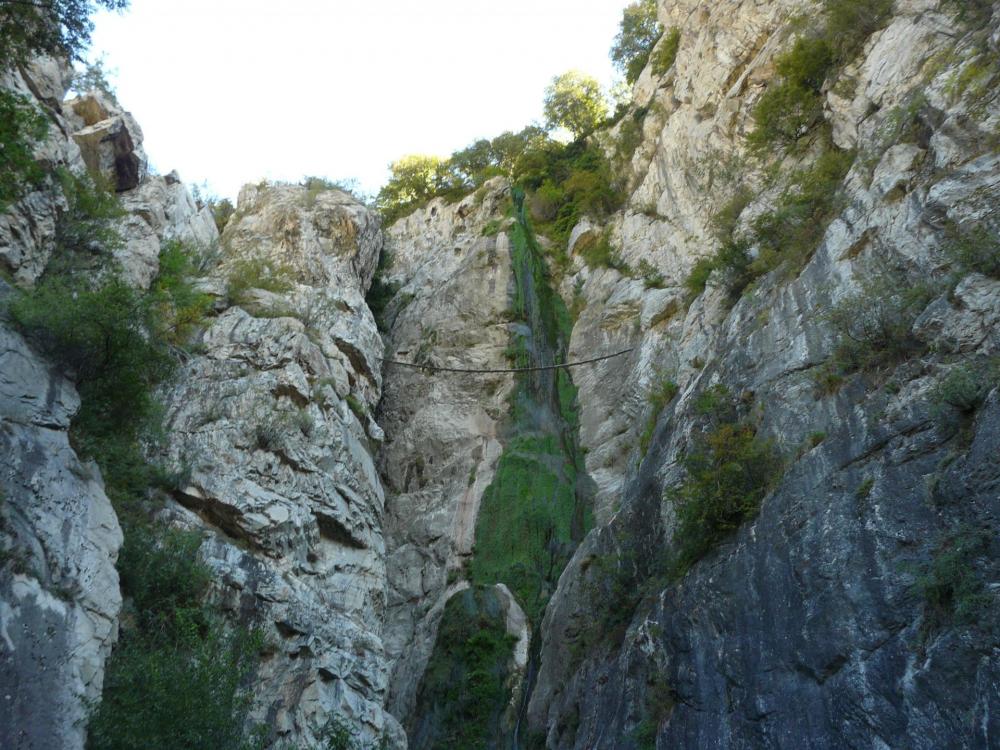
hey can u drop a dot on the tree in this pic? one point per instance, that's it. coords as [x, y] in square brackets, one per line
[415, 179]
[574, 101]
[59, 28]
[638, 33]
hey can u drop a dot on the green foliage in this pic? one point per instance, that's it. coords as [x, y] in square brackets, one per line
[105, 337]
[849, 23]
[950, 585]
[574, 101]
[729, 471]
[179, 308]
[87, 226]
[463, 694]
[697, 279]
[597, 251]
[57, 28]
[93, 76]
[357, 407]
[566, 183]
[638, 32]
[222, 210]
[492, 228]
[963, 389]
[974, 249]
[246, 274]
[790, 233]
[531, 517]
[791, 106]
[665, 55]
[21, 127]
[874, 326]
[413, 181]
[176, 677]
[658, 398]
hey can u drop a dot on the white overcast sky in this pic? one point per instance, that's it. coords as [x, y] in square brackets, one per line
[232, 91]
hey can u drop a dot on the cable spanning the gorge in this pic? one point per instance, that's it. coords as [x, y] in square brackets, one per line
[564, 365]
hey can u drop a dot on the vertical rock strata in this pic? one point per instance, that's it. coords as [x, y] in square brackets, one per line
[271, 423]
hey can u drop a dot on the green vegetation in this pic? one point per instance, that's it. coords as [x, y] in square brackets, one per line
[575, 101]
[792, 105]
[247, 274]
[660, 701]
[950, 585]
[697, 279]
[790, 233]
[176, 678]
[729, 471]
[463, 693]
[87, 227]
[638, 33]
[659, 397]
[357, 407]
[974, 249]
[664, 57]
[21, 127]
[381, 292]
[597, 251]
[58, 28]
[874, 325]
[957, 396]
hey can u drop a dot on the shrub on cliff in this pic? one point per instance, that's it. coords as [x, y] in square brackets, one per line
[21, 126]
[792, 105]
[729, 471]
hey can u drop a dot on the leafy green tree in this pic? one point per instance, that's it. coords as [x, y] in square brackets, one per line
[638, 33]
[574, 101]
[413, 181]
[59, 28]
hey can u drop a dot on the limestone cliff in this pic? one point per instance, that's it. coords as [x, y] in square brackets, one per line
[440, 557]
[806, 627]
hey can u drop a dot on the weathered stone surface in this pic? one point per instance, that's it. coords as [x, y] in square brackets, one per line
[59, 537]
[442, 440]
[272, 422]
[804, 629]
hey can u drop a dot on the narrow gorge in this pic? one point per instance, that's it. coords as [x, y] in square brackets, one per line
[682, 432]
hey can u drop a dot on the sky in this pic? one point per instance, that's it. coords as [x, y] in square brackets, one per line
[234, 91]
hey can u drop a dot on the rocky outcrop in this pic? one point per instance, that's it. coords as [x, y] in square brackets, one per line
[451, 308]
[271, 424]
[59, 538]
[59, 593]
[806, 628]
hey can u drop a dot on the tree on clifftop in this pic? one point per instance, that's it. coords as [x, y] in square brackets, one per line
[638, 33]
[574, 101]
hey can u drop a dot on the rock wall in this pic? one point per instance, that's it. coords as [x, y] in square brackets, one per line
[271, 424]
[59, 536]
[442, 431]
[805, 628]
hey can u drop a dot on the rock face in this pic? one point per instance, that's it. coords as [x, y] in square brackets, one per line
[806, 628]
[338, 495]
[442, 442]
[272, 424]
[59, 536]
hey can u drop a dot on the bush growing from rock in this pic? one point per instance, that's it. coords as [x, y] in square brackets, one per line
[729, 471]
[638, 32]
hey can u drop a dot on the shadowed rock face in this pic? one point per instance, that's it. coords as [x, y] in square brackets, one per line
[59, 598]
